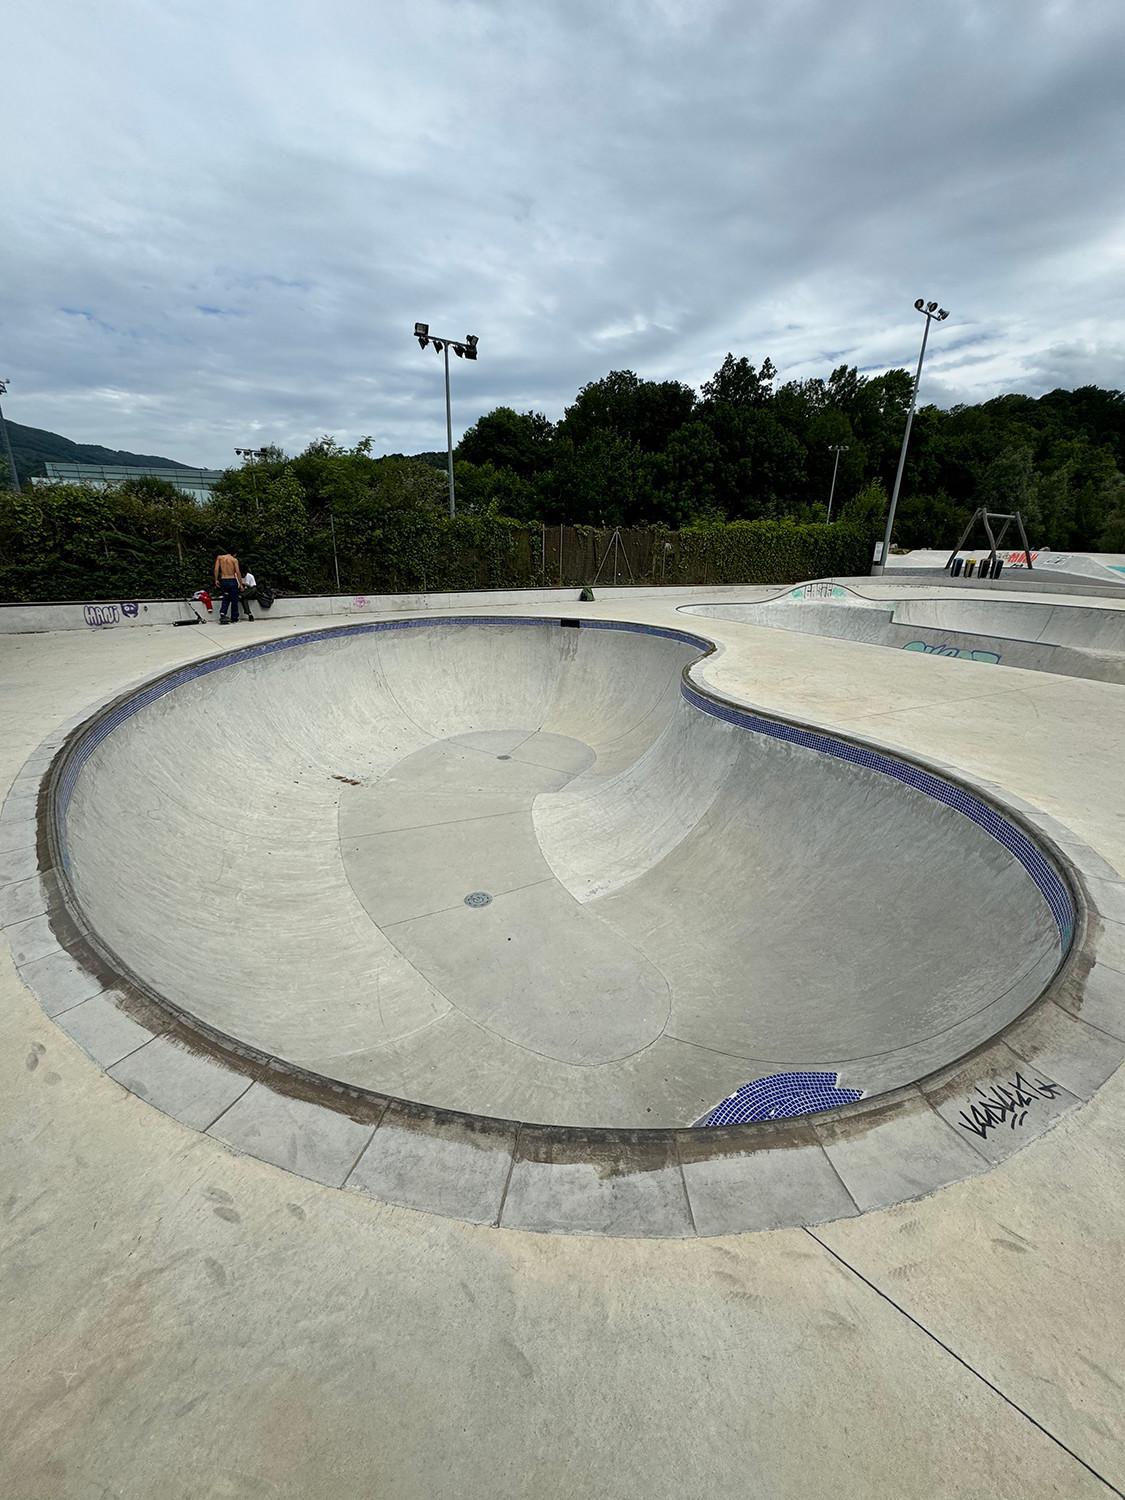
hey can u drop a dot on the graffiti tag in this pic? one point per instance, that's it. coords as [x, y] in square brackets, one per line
[360, 601]
[101, 614]
[947, 650]
[1005, 1104]
[817, 591]
[130, 611]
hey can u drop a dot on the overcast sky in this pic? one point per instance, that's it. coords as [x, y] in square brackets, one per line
[221, 221]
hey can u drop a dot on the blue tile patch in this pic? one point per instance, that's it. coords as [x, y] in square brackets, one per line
[780, 1096]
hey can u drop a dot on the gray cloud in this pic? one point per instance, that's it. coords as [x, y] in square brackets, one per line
[227, 220]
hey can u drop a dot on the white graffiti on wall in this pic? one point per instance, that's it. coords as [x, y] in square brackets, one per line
[97, 616]
[101, 614]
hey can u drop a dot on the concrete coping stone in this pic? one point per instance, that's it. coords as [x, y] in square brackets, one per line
[670, 1183]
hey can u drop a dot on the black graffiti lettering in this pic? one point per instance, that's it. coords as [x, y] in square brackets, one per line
[1005, 1103]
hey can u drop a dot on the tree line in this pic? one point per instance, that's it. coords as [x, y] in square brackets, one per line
[750, 447]
[730, 484]
[746, 447]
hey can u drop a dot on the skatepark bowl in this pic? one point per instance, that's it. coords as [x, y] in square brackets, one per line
[1038, 635]
[531, 877]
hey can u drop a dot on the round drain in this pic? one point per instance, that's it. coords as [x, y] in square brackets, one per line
[477, 898]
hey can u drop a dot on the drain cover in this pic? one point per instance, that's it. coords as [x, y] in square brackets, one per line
[477, 898]
[503, 757]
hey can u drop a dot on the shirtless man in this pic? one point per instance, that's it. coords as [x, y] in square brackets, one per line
[228, 579]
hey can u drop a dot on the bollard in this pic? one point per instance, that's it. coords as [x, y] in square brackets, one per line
[970, 566]
[997, 567]
[958, 564]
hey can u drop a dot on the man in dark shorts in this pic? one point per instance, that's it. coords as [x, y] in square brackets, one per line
[228, 580]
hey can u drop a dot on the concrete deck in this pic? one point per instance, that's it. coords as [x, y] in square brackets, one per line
[181, 1320]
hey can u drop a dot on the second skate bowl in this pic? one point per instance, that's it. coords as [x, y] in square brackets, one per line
[1067, 639]
[534, 869]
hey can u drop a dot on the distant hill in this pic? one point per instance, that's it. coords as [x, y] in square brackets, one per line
[31, 447]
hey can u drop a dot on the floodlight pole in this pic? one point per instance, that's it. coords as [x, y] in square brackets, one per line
[464, 349]
[15, 478]
[449, 434]
[931, 312]
[248, 455]
[837, 449]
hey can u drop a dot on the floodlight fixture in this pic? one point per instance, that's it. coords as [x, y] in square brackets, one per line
[932, 313]
[463, 350]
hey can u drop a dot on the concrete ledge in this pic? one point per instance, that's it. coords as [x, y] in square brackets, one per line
[293, 1133]
[131, 614]
[584, 1183]
[737, 1183]
[456, 1167]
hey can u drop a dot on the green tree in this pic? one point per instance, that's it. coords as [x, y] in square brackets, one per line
[737, 383]
[600, 482]
[643, 412]
[507, 439]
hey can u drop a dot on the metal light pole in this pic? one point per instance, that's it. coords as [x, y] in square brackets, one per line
[837, 449]
[449, 434]
[15, 478]
[248, 455]
[465, 350]
[932, 313]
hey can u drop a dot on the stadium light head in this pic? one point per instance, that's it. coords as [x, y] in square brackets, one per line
[920, 304]
[438, 344]
[931, 307]
[422, 334]
[471, 346]
[458, 349]
[942, 314]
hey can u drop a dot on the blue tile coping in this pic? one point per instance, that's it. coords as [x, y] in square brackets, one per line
[791, 1149]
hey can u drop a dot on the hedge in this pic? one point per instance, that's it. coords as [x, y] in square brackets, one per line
[79, 542]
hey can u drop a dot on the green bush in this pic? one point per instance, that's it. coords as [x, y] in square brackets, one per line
[771, 552]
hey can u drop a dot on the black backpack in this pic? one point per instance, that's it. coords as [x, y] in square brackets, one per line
[265, 596]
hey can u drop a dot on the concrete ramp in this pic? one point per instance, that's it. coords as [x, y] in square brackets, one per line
[526, 869]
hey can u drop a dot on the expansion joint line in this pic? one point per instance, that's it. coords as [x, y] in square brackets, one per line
[964, 1363]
